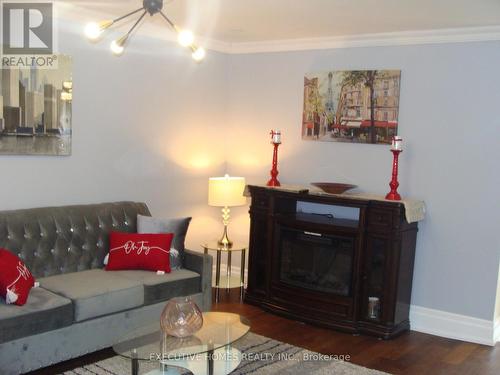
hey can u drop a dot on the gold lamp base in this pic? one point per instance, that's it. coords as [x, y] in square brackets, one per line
[224, 240]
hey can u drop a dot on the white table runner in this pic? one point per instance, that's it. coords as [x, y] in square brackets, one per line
[414, 209]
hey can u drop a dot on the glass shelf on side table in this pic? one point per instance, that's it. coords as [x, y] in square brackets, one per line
[228, 280]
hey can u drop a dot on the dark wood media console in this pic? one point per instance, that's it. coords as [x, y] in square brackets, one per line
[353, 275]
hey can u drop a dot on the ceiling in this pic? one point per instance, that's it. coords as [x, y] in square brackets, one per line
[254, 21]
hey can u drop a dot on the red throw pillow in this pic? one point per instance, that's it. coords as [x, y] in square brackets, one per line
[134, 251]
[16, 280]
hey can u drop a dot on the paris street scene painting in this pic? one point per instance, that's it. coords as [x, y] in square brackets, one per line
[35, 109]
[357, 106]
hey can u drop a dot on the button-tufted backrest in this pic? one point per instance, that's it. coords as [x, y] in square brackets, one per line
[56, 240]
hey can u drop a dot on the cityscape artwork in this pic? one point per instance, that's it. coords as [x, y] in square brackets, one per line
[357, 106]
[35, 109]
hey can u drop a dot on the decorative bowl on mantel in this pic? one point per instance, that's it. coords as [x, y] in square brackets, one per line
[333, 187]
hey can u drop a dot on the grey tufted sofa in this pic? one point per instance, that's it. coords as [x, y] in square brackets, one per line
[79, 307]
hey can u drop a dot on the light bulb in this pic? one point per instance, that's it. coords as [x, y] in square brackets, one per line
[185, 38]
[198, 54]
[93, 30]
[117, 46]
[116, 49]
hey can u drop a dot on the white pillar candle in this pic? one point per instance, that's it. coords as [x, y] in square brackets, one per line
[276, 136]
[397, 143]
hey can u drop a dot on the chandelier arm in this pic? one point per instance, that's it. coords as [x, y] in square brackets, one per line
[172, 25]
[136, 23]
[127, 15]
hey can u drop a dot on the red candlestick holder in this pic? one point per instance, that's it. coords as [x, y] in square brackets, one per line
[393, 195]
[276, 141]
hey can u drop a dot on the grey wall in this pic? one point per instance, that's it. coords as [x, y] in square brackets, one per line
[449, 123]
[146, 127]
[153, 126]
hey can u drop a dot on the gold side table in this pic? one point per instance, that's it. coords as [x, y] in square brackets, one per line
[214, 246]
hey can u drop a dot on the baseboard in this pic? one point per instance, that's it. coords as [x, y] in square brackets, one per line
[453, 326]
[496, 336]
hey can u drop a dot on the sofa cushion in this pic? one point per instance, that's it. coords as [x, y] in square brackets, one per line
[16, 280]
[44, 311]
[177, 226]
[159, 288]
[135, 251]
[96, 292]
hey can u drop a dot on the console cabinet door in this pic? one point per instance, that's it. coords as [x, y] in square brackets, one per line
[374, 304]
[258, 255]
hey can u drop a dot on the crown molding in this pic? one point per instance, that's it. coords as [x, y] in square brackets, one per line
[437, 36]
[457, 35]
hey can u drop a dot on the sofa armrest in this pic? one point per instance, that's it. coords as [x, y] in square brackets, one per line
[201, 264]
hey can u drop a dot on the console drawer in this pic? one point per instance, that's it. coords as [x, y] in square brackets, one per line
[380, 219]
[311, 303]
[260, 201]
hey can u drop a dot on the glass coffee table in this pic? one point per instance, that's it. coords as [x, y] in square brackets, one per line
[207, 352]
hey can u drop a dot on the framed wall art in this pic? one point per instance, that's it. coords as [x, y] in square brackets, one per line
[35, 109]
[357, 106]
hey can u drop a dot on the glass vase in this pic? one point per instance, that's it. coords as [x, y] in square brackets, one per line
[181, 317]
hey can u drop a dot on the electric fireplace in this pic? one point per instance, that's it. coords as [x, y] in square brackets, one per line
[316, 261]
[328, 267]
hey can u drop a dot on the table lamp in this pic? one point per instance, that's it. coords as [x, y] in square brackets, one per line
[226, 192]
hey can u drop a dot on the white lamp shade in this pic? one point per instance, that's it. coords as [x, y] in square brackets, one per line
[226, 191]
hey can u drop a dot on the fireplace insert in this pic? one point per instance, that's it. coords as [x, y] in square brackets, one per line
[316, 261]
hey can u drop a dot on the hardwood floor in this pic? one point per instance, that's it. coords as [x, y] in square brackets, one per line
[411, 353]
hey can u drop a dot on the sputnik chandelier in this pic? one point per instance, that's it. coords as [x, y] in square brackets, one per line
[94, 30]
